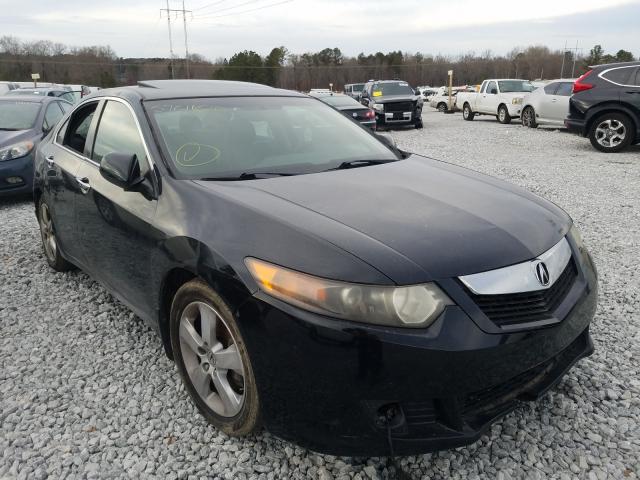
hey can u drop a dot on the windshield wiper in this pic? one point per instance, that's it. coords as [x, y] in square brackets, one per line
[11, 129]
[359, 163]
[250, 176]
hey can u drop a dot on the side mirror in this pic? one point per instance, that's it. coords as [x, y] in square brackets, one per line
[494, 91]
[121, 169]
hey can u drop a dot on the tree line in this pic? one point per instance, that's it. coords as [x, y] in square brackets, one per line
[100, 65]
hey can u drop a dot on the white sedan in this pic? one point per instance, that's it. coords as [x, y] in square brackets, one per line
[548, 105]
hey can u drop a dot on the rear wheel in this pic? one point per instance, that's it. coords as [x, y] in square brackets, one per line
[49, 240]
[467, 113]
[528, 118]
[442, 107]
[611, 132]
[212, 359]
[503, 115]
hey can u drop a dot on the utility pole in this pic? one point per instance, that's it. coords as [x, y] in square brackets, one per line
[186, 44]
[168, 10]
[575, 54]
[564, 54]
[184, 12]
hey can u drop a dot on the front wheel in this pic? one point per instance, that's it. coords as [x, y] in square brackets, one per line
[528, 118]
[467, 113]
[611, 132]
[212, 359]
[442, 107]
[503, 115]
[49, 240]
[418, 124]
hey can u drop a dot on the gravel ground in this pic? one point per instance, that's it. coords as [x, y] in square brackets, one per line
[86, 390]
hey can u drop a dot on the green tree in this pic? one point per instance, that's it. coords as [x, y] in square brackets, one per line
[624, 56]
[244, 66]
[274, 61]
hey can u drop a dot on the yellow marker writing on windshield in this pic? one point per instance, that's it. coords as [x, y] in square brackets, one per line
[377, 93]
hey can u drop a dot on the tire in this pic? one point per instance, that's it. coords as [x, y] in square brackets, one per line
[611, 132]
[442, 107]
[49, 241]
[503, 115]
[199, 357]
[528, 118]
[418, 124]
[467, 113]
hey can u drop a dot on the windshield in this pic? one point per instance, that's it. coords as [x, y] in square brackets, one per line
[340, 101]
[515, 86]
[225, 137]
[18, 115]
[385, 89]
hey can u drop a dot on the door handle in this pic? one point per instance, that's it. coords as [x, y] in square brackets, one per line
[50, 162]
[554, 99]
[83, 183]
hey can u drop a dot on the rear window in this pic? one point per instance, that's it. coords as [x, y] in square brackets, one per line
[565, 89]
[619, 76]
[340, 101]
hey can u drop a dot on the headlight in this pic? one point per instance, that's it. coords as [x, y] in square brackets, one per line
[16, 151]
[415, 306]
[378, 107]
[516, 101]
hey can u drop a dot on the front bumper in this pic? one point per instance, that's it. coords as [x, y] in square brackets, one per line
[21, 168]
[398, 118]
[325, 383]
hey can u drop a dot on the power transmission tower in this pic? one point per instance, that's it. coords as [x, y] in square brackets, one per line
[184, 12]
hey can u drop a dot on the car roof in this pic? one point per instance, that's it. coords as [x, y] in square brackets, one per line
[28, 98]
[615, 65]
[165, 89]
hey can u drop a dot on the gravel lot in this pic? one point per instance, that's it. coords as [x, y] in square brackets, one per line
[86, 390]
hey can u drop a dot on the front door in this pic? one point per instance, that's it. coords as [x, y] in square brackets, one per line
[63, 157]
[489, 99]
[115, 227]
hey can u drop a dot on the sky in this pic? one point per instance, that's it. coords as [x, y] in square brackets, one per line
[219, 28]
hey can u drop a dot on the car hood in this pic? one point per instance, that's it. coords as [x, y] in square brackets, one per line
[395, 98]
[9, 137]
[434, 218]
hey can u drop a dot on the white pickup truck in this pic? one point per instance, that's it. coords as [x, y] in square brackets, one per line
[499, 97]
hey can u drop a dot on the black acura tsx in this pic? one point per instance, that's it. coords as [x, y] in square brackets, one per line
[308, 276]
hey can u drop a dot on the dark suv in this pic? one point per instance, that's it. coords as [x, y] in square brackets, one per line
[394, 102]
[605, 106]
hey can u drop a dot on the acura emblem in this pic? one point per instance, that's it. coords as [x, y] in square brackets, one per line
[355, 115]
[542, 273]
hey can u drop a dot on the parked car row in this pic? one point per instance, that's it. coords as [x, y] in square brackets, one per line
[71, 93]
[603, 104]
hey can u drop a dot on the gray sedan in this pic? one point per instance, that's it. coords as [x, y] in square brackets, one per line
[548, 105]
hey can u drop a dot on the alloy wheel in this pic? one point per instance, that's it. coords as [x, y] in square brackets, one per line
[48, 235]
[212, 359]
[610, 133]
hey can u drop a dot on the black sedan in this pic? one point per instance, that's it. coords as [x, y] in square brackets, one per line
[306, 276]
[350, 107]
[24, 120]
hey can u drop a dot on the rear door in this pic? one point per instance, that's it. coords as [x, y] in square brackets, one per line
[115, 227]
[559, 105]
[63, 157]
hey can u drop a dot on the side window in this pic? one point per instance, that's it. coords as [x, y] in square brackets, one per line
[551, 88]
[52, 116]
[69, 97]
[65, 106]
[619, 75]
[61, 132]
[491, 86]
[78, 128]
[636, 82]
[117, 132]
[565, 89]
